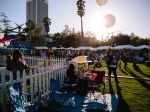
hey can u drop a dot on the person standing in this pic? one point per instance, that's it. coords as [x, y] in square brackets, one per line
[112, 65]
[125, 60]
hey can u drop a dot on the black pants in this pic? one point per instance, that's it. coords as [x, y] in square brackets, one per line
[125, 65]
[111, 69]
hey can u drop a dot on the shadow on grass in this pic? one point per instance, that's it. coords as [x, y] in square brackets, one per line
[123, 71]
[141, 81]
[122, 104]
[141, 72]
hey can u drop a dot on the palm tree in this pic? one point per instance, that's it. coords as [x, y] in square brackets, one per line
[80, 11]
[47, 22]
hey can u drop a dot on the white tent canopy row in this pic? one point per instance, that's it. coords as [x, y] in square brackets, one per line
[132, 47]
[85, 48]
[141, 47]
[90, 48]
[103, 47]
[123, 47]
[41, 47]
[78, 48]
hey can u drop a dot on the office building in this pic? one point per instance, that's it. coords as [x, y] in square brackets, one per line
[37, 10]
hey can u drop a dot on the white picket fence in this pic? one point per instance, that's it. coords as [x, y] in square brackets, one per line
[39, 78]
[35, 61]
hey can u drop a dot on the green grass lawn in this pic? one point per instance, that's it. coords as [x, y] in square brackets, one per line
[134, 94]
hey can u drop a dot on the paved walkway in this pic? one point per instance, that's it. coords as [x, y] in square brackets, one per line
[84, 104]
[128, 77]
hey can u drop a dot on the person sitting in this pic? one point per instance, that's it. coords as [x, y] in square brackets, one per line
[8, 65]
[18, 63]
[73, 77]
[71, 74]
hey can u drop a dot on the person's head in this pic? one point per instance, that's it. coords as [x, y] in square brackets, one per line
[9, 57]
[71, 67]
[113, 52]
[17, 54]
[134, 59]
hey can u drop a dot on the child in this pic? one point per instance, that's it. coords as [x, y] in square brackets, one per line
[9, 59]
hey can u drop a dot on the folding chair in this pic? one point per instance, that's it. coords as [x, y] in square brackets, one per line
[17, 103]
[96, 84]
[60, 97]
[69, 84]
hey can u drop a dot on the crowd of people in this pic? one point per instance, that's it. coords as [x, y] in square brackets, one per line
[113, 59]
[95, 56]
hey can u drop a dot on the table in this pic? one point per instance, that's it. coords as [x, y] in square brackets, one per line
[147, 63]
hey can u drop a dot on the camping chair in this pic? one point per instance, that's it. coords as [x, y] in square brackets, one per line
[96, 84]
[17, 103]
[69, 84]
[58, 97]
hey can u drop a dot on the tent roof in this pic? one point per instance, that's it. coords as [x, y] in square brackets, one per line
[141, 47]
[123, 47]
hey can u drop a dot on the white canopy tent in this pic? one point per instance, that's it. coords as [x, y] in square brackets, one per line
[103, 47]
[54, 48]
[70, 48]
[41, 47]
[123, 47]
[84, 48]
[62, 48]
[141, 47]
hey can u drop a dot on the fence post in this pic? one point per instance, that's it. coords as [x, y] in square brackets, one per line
[24, 82]
[47, 79]
[43, 80]
[4, 99]
[31, 85]
[40, 85]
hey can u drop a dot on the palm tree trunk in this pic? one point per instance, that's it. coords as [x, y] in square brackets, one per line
[82, 32]
[47, 28]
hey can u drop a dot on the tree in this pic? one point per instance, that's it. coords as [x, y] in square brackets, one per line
[47, 22]
[135, 41]
[38, 39]
[56, 39]
[118, 39]
[30, 29]
[34, 34]
[5, 20]
[80, 11]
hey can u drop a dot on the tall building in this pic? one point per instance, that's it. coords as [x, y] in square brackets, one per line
[36, 10]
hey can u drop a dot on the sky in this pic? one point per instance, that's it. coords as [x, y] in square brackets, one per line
[130, 15]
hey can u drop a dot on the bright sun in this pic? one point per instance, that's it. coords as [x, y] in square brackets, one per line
[97, 25]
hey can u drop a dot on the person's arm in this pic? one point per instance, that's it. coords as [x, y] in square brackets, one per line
[26, 66]
[77, 73]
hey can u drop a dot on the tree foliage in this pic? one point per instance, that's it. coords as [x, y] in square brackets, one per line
[34, 34]
[47, 22]
[81, 11]
[80, 5]
[5, 20]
